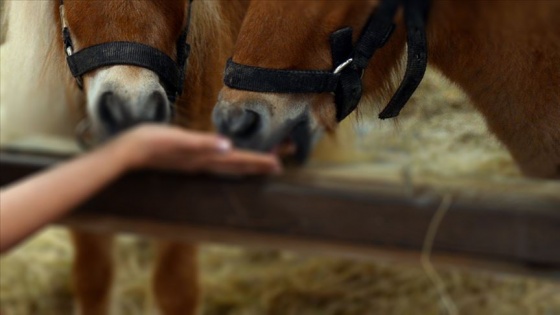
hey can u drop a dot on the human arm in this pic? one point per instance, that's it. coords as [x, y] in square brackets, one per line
[33, 202]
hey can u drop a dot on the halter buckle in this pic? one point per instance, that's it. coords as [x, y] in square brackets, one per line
[343, 65]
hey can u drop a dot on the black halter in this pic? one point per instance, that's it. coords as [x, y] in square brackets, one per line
[170, 72]
[349, 61]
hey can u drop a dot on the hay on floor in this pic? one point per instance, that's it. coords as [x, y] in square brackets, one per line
[35, 280]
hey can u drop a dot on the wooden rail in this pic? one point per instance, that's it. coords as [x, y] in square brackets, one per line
[340, 210]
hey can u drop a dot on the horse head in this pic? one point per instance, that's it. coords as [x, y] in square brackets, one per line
[122, 54]
[314, 40]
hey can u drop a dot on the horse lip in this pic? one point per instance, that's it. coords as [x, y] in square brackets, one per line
[301, 136]
[299, 132]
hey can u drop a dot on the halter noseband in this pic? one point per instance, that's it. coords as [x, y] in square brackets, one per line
[350, 62]
[170, 72]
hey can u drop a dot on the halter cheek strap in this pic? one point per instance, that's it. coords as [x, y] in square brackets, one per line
[170, 72]
[350, 62]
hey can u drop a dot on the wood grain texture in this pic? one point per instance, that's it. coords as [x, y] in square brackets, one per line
[515, 223]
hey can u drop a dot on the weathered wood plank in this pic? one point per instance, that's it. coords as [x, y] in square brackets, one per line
[306, 246]
[517, 225]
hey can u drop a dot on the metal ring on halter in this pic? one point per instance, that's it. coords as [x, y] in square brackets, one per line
[84, 136]
[343, 65]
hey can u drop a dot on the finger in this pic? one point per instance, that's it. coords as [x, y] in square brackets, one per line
[239, 169]
[242, 157]
[203, 142]
[213, 164]
[285, 150]
[246, 162]
[181, 138]
[233, 162]
[145, 145]
[178, 162]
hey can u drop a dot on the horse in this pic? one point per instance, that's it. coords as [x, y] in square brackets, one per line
[41, 96]
[504, 54]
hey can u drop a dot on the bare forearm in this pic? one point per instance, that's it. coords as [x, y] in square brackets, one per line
[28, 205]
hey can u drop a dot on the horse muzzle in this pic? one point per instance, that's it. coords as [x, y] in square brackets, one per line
[254, 124]
[122, 97]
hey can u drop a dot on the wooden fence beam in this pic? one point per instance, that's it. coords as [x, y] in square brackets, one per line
[519, 225]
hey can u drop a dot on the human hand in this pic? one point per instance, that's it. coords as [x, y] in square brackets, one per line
[171, 148]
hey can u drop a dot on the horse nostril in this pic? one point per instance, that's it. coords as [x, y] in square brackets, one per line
[244, 124]
[116, 112]
[112, 111]
[156, 107]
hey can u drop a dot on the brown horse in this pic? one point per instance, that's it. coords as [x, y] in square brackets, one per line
[504, 54]
[39, 95]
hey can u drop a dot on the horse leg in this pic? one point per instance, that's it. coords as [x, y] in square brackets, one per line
[92, 272]
[175, 278]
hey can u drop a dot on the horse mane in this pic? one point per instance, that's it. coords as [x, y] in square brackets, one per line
[207, 23]
[212, 35]
[212, 32]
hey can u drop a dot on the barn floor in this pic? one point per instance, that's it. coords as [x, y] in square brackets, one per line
[438, 135]
[35, 280]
